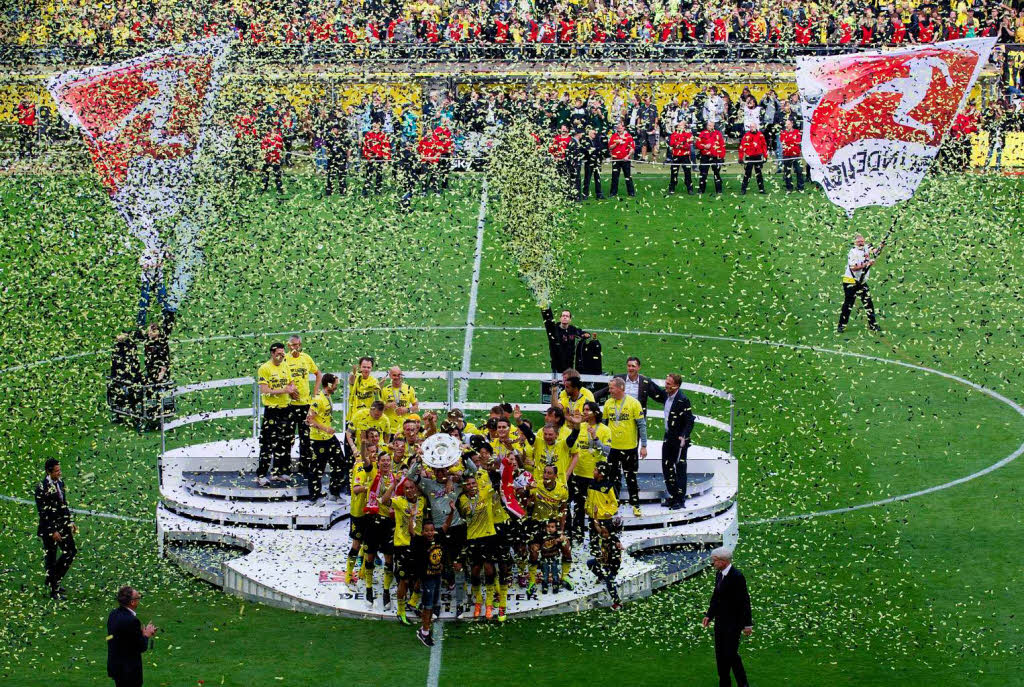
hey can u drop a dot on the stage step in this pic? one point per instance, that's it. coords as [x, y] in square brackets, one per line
[652, 486]
[304, 569]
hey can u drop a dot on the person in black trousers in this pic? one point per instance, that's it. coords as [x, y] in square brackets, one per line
[336, 146]
[408, 171]
[730, 610]
[56, 528]
[679, 421]
[562, 339]
[593, 156]
[858, 262]
[573, 165]
[126, 640]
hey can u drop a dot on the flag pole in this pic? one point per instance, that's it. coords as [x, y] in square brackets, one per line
[897, 213]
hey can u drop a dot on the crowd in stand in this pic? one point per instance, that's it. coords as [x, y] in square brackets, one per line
[418, 146]
[421, 146]
[510, 29]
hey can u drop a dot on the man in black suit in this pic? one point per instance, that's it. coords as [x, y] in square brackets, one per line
[126, 640]
[562, 339]
[637, 385]
[679, 421]
[56, 529]
[730, 609]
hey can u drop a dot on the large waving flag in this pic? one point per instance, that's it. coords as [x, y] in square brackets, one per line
[874, 121]
[144, 122]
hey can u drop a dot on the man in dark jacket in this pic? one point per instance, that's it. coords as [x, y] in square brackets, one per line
[126, 640]
[56, 528]
[337, 144]
[562, 339]
[638, 386]
[679, 421]
[573, 165]
[730, 610]
[593, 149]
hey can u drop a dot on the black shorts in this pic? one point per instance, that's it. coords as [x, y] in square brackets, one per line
[454, 541]
[504, 540]
[481, 550]
[521, 531]
[357, 527]
[404, 562]
[380, 534]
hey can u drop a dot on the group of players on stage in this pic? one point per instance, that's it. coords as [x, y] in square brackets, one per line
[504, 505]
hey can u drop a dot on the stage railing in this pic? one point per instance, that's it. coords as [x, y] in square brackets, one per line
[449, 377]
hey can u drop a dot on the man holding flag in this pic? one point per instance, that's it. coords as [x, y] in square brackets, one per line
[874, 123]
[144, 123]
[858, 262]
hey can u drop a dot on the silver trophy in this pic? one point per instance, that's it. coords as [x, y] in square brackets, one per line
[441, 451]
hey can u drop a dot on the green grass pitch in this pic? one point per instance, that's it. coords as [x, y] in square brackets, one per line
[918, 592]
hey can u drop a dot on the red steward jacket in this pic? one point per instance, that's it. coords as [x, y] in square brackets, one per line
[621, 146]
[753, 145]
[712, 143]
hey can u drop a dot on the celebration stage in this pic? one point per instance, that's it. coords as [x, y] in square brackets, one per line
[268, 544]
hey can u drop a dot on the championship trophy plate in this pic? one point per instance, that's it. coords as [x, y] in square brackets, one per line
[441, 451]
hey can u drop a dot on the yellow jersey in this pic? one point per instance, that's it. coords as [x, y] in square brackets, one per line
[477, 512]
[360, 477]
[362, 394]
[571, 407]
[601, 503]
[498, 510]
[621, 417]
[403, 397]
[276, 377]
[321, 408]
[500, 450]
[588, 451]
[403, 510]
[363, 421]
[558, 454]
[302, 366]
[383, 484]
[548, 503]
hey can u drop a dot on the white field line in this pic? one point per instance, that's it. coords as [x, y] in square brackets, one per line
[474, 290]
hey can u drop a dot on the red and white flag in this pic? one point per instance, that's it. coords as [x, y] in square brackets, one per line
[144, 123]
[508, 487]
[874, 121]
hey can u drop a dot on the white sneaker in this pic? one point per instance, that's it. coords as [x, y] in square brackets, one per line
[263, 481]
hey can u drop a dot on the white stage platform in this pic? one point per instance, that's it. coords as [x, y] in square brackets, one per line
[269, 544]
[293, 553]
